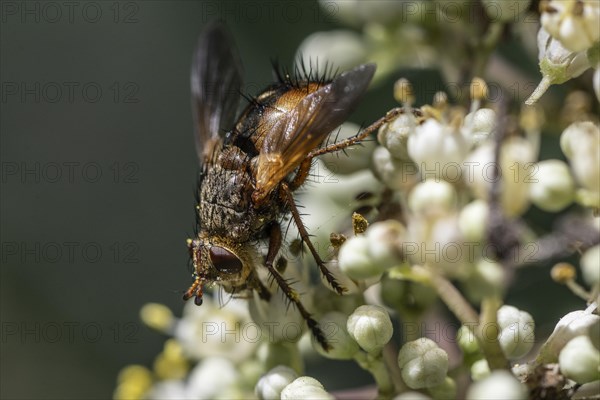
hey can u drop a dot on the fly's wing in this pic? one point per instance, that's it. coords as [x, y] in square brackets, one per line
[307, 125]
[216, 79]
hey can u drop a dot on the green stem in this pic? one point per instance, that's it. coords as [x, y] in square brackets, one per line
[484, 329]
[488, 331]
[487, 46]
[375, 365]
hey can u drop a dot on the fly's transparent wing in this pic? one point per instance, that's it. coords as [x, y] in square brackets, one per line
[216, 80]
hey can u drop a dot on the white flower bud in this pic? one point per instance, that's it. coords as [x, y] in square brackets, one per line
[393, 172]
[557, 64]
[579, 360]
[371, 327]
[355, 260]
[359, 156]
[505, 10]
[410, 395]
[343, 49]
[385, 243]
[580, 143]
[516, 332]
[394, 135]
[344, 347]
[208, 324]
[432, 198]
[269, 387]
[472, 221]
[553, 188]
[358, 12]
[487, 278]
[445, 391]
[437, 149]
[423, 364]
[500, 384]
[590, 265]
[573, 324]
[480, 370]
[211, 377]
[305, 388]
[467, 341]
[515, 171]
[479, 125]
[574, 23]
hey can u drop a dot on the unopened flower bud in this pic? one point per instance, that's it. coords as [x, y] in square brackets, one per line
[472, 221]
[269, 387]
[444, 391]
[305, 388]
[479, 125]
[371, 327]
[590, 265]
[500, 384]
[432, 198]
[573, 324]
[355, 260]
[579, 360]
[394, 135]
[423, 364]
[553, 188]
[480, 370]
[516, 332]
[580, 143]
[343, 48]
[385, 243]
[393, 172]
[437, 148]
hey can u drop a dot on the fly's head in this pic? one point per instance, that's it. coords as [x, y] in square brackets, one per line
[215, 261]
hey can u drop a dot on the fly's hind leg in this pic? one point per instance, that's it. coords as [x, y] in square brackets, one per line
[274, 246]
[287, 195]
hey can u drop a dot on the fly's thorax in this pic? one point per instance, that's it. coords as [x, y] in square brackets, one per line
[269, 107]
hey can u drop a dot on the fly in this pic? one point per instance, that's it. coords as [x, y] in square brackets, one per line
[251, 165]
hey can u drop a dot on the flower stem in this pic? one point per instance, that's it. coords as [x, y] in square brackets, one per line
[375, 365]
[458, 305]
[487, 46]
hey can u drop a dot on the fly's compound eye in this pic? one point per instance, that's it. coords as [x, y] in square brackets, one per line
[224, 260]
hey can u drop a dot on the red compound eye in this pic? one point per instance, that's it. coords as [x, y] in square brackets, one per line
[224, 260]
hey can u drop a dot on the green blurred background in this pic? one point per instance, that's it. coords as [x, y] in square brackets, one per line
[99, 170]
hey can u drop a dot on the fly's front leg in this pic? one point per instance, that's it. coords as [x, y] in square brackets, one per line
[274, 246]
[287, 195]
[389, 116]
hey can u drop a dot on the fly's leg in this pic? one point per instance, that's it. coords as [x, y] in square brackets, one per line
[255, 283]
[304, 167]
[289, 198]
[389, 116]
[291, 294]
